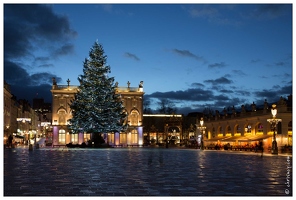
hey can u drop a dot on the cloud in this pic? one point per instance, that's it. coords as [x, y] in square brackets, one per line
[219, 81]
[187, 53]
[254, 61]
[225, 91]
[203, 11]
[197, 85]
[63, 50]
[107, 7]
[239, 72]
[112, 9]
[217, 65]
[273, 95]
[270, 11]
[25, 86]
[30, 27]
[132, 56]
[19, 76]
[216, 14]
[191, 94]
[196, 100]
[33, 36]
[46, 65]
[237, 15]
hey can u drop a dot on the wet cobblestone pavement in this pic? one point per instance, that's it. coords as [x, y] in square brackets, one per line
[144, 172]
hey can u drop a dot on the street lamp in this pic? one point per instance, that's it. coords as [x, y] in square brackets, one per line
[167, 140]
[202, 128]
[274, 121]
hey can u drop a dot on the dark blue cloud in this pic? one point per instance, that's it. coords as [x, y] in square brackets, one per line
[29, 28]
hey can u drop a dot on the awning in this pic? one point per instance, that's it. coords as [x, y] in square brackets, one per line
[259, 137]
[239, 138]
[216, 139]
[236, 138]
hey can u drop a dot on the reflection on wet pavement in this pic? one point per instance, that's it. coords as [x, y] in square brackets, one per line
[142, 172]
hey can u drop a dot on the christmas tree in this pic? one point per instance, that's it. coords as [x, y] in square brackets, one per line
[96, 107]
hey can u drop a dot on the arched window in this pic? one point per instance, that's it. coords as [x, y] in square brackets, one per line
[213, 132]
[62, 116]
[238, 129]
[220, 130]
[62, 136]
[248, 128]
[228, 130]
[134, 118]
[260, 128]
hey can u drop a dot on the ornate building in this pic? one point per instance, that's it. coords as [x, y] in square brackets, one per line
[247, 128]
[132, 100]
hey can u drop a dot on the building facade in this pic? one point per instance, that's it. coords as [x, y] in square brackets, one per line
[248, 128]
[162, 128]
[20, 119]
[132, 98]
[7, 111]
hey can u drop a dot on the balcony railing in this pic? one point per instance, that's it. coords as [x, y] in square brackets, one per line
[129, 89]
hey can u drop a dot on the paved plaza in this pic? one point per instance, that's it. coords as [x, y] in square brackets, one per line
[144, 172]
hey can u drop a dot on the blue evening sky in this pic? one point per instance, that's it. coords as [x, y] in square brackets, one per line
[195, 55]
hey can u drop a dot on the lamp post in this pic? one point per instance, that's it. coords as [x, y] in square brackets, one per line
[167, 140]
[202, 128]
[274, 121]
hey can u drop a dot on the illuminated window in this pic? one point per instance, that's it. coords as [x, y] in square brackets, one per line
[248, 129]
[111, 138]
[74, 138]
[134, 137]
[122, 139]
[62, 136]
[86, 137]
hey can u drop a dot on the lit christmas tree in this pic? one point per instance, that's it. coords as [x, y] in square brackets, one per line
[97, 108]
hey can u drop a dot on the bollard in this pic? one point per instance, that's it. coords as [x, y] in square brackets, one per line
[37, 146]
[30, 147]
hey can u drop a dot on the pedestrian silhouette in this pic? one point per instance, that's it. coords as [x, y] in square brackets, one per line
[10, 138]
[261, 147]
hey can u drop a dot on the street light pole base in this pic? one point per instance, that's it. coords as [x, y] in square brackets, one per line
[275, 152]
[274, 149]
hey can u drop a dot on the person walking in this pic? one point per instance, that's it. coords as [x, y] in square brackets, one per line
[261, 147]
[10, 138]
